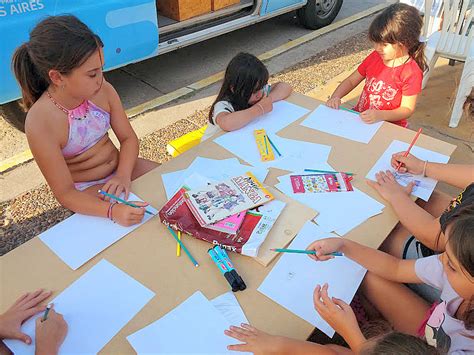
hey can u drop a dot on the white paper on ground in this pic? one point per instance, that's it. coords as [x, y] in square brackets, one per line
[341, 123]
[214, 169]
[96, 306]
[229, 307]
[293, 279]
[203, 323]
[425, 185]
[338, 211]
[79, 238]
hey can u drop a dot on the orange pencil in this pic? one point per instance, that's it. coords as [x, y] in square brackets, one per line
[409, 148]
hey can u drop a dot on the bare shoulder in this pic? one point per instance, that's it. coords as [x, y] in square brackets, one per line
[45, 120]
[106, 96]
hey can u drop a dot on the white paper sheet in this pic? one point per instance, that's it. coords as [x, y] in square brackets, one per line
[197, 318]
[95, 307]
[341, 123]
[338, 211]
[425, 185]
[293, 279]
[79, 238]
[229, 307]
[214, 169]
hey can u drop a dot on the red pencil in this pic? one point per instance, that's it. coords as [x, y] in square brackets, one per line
[409, 148]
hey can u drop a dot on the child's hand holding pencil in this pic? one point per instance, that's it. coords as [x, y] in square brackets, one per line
[326, 249]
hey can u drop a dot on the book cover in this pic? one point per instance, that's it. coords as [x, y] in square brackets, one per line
[228, 225]
[217, 201]
[254, 229]
[317, 183]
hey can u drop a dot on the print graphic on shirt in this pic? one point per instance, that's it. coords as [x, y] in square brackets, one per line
[379, 92]
[434, 333]
[456, 201]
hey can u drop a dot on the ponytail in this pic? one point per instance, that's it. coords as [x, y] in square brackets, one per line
[32, 83]
[418, 55]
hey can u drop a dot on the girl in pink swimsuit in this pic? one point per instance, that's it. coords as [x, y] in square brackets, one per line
[70, 110]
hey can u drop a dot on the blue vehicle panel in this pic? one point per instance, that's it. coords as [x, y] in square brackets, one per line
[129, 30]
[270, 6]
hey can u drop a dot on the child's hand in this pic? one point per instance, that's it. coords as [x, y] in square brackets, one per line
[267, 104]
[24, 307]
[388, 187]
[127, 215]
[333, 102]
[254, 340]
[324, 247]
[369, 116]
[117, 185]
[409, 164]
[336, 312]
[50, 333]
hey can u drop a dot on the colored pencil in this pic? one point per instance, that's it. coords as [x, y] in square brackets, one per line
[299, 251]
[273, 146]
[328, 172]
[348, 110]
[411, 146]
[183, 247]
[178, 246]
[123, 201]
[46, 311]
[266, 144]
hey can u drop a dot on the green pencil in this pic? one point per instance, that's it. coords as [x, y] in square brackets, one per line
[46, 311]
[348, 110]
[123, 201]
[300, 251]
[183, 247]
[328, 172]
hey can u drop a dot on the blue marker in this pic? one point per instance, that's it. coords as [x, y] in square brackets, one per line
[222, 254]
[228, 274]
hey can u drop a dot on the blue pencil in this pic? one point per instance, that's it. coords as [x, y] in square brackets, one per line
[183, 247]
[123, 201]
[273, 146]
[299, 251]
[348, 110]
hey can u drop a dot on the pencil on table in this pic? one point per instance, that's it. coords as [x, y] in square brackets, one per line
[178, 246]
[183, 247]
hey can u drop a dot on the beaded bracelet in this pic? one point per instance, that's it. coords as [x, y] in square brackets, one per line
[424, 168]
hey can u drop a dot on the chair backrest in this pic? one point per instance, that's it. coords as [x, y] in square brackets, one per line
[433, 10]
[457, 27]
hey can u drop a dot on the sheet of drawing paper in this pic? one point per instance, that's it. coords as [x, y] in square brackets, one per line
[339, 211]
[96, 306]
[293, 279]
[79, 238]
[204, 328]
[213, 169]
[424, 185]
[229, 307]
[341, 123]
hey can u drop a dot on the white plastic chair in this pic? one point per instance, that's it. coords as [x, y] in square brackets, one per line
[453, 41]
[464, 90]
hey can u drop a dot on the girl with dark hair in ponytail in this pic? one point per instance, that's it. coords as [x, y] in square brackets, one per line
[70, 110]
[393, 72]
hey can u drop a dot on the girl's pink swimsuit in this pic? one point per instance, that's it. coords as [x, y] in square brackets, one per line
[88, 123]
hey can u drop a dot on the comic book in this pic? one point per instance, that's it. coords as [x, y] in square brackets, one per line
[317, 183]
[217, 201]
[254, 229]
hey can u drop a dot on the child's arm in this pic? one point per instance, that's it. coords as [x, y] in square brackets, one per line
[128, 155]
[280, 91]
[232, 121]
[376, 261]
[419, 222]
[344, 88]
[406, 109]
[259, 342]
[459, 175]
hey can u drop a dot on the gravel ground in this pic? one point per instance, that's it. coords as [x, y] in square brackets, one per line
[35, 211]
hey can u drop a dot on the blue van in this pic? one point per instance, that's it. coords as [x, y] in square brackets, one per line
[134, 30]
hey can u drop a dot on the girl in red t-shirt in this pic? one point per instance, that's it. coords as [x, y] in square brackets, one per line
[393, 72]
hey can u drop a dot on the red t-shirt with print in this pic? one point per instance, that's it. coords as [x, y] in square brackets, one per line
[385, 86]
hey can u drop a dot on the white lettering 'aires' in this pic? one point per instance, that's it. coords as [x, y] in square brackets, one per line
[19, 7]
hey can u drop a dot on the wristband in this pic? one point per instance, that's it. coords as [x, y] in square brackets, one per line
[424, 168]
[109, 214]
[261, 107]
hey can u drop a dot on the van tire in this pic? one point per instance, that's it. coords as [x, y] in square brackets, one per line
[319, 13]
[14, 114]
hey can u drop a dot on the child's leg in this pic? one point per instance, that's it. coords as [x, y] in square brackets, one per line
[142, 166]
[396, 241]
[399, 305]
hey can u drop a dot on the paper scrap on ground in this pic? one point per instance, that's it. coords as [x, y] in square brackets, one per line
[341, 123]
[204, 326]
[339, 212]
[424, 185]
[213, 169]
[293, 279]
[96, 306]
[79, 238]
